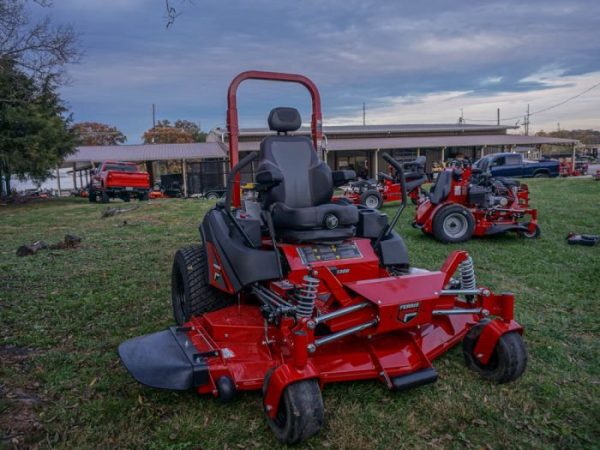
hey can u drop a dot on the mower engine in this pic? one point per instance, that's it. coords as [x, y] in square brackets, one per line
[486, 197]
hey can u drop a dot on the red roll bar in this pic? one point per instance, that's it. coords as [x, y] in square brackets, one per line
[232, 114]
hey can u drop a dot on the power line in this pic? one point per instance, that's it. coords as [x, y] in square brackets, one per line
[541, 110]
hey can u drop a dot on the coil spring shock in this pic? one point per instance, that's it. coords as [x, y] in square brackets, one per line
[306, 296]
[467, 274]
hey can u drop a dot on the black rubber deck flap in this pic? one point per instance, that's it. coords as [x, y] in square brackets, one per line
[498, 228]
[415, 379]
[165, 360]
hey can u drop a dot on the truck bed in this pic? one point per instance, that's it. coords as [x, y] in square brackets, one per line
[118, 179]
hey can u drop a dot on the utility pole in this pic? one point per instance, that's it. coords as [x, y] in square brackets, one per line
[527, 121]
[498, 115]
[461, 119]
[153, 115]
[364, 114]
[557, 126]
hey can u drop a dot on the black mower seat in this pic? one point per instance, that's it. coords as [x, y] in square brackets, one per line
[440, 190]
[298, 187]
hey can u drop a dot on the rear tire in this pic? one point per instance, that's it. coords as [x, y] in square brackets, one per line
[191, 294]
[126, 198]
[104, 198]
[541, 175]
[371, 199]
[212, 196]
[507, 363]
[143, 197]
[453, 223]
[92, 196]
[300, 414]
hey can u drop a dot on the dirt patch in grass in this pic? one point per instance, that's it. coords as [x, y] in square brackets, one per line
[20, 424]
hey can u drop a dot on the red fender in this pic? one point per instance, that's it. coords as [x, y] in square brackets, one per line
[281, 377]
[489, 338]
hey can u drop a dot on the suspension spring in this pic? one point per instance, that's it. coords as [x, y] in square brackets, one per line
[467, 274]
[306, 296]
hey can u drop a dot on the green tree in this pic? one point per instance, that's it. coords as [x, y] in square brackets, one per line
[93, 133]
[34, 131]
[589, 137]
[181, 132]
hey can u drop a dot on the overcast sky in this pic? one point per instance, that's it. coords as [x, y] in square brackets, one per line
[410, 62]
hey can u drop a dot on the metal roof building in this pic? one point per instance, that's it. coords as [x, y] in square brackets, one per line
[360, 147]
[354, 147]
[145, 152]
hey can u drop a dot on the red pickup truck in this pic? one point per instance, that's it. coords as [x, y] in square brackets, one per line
[115, 179]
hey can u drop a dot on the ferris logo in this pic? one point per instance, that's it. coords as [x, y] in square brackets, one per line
[408, 311]
[337, 271]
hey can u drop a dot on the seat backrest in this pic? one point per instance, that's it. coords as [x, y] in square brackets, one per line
[441, 188]
[306, 180]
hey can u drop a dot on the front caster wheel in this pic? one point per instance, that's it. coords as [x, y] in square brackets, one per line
[371, 199]
[507, 363]
[528, 235]
[300, 413]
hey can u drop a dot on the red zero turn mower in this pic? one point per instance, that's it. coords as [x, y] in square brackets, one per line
[293, 292]
[466, 202]
[373, 195]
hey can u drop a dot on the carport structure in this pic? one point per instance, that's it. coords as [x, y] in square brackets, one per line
[360, 147]
[85, 157]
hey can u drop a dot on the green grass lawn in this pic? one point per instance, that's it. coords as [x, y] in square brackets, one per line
[64, 312]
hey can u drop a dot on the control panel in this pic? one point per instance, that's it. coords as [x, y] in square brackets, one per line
[328, 252]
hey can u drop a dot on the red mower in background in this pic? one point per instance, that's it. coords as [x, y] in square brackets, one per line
[467, 201]
[374, 195]
[292, 292]
[567, 169]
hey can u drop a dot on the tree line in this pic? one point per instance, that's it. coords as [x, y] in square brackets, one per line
[588, 137]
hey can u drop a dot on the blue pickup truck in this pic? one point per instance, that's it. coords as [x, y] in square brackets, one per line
[514, 165]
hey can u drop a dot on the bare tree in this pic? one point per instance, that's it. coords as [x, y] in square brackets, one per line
[39, 48]
[171, 11]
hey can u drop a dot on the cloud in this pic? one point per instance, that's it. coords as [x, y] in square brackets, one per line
[428, 56]
[445, 107]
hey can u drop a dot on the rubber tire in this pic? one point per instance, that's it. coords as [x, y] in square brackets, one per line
[535, 235]
[191, 294]
[438, 224]
[92, 196]
[126, 198]
[369, 193]
[301, 413]
[541, 175]
[143, 197]
[507, 363]
[212, 196]
[104, 198]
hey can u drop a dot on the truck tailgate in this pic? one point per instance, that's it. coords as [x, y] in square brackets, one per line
[139, 180]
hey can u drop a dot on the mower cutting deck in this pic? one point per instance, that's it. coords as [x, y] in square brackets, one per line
[293, 292]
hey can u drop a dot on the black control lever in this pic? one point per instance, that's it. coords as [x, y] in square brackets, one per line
[388, 158]
[230, 184]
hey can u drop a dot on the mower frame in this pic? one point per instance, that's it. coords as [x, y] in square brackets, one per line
[366, 321]
[487, 221]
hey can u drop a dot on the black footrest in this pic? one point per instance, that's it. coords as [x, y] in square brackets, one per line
[415, 379]
[165, 360]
